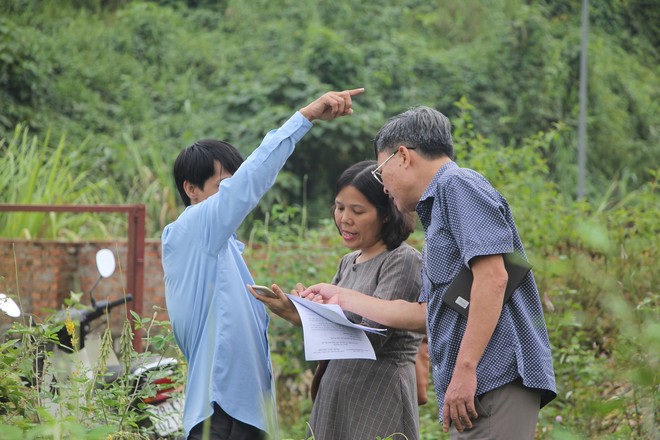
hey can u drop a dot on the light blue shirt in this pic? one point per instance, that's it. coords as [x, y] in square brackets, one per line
[220, 327]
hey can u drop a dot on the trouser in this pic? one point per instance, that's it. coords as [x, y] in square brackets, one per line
[509, 412]
[222, 426]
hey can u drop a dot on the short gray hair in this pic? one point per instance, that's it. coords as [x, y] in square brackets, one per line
[420, 128]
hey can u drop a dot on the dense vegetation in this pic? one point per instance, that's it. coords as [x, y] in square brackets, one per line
[97, 97]
[129, 83]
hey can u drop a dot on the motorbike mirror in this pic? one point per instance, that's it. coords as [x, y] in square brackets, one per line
[105, 262]
[8, 306]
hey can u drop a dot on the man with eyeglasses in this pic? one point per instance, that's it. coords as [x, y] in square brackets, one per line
[492, 370]
[219, 326]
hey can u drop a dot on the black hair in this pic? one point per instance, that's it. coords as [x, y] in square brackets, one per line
[196, 163]
[397, 226]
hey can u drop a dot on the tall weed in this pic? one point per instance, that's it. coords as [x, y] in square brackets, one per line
[36, 173]
[33, 404]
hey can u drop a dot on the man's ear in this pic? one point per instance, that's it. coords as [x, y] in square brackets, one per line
[406, 156]
[190, 189]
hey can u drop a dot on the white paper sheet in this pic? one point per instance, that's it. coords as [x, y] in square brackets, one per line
[328, 334]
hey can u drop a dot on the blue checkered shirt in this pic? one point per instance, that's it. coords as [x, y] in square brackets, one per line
[465, 217]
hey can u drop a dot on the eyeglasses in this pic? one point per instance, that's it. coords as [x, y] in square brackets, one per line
[377, 173]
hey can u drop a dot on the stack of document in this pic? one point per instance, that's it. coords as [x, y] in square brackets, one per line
[329, 334]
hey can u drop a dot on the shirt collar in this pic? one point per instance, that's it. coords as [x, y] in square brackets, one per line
[426, 201]
[431, 189]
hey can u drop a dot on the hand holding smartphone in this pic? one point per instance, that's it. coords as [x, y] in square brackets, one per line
[264, 290]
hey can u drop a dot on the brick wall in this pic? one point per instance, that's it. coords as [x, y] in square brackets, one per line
[49, 270]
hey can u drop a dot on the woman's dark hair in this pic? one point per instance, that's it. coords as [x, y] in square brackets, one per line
[397, 226]
[196, 163]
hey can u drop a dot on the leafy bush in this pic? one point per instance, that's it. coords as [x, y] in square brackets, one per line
[134, 82]
[35, 404]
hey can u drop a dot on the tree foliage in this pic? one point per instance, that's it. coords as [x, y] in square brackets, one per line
[136, 81]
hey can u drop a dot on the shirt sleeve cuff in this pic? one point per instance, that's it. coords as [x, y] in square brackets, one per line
[299, 126]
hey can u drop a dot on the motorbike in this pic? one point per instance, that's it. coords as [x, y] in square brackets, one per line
[80, 349]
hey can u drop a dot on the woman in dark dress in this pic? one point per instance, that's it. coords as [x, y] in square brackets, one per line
[359, 398]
